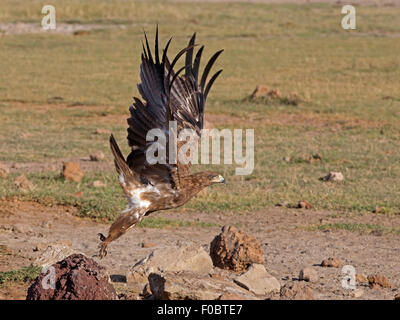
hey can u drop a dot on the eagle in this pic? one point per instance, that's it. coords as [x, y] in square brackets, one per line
[167, 96]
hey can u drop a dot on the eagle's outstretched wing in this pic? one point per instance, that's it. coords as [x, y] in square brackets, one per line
[167, 97]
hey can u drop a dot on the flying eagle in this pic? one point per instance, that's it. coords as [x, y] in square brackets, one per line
[167, 97]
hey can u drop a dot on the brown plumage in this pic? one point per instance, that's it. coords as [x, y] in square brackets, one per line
[167, 97]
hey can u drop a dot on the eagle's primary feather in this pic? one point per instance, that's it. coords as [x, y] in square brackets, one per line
[168, 96]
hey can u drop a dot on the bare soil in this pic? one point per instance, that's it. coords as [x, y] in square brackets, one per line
[288, 244]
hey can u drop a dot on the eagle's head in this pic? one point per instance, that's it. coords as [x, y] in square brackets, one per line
[214, 178]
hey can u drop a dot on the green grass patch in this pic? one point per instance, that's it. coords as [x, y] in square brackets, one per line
[25, 274]
[347, 82]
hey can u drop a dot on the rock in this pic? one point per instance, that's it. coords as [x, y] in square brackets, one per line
[97, 156]
[257, 280]
[230, 296]
[15, 165]
[72, 171]
[43, 246]
[305, 205]
[234, 250]
[308, 274]
[397, 296]
[188, 257]
[286, 159]
[361, 279]
[283, 204]
[46, 224]
[5, 250]
[98, 184]
[102, 131]
[259, 91]
[21, 228]
[23, 183]
[187, 285]
[296, 291]
[81, 32]
[275, 94]
[379, 210]
[357, 293]
[293, 99]
[76, 278]
[52, 254]
[4, 171]
[379, 281]
[331, 263]
[333, 177]
[148, 244]
[78, 194]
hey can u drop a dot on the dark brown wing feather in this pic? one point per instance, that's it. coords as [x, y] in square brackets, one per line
[167, 96]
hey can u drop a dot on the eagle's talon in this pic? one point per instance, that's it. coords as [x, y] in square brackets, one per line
[103, 251]
[102, 237]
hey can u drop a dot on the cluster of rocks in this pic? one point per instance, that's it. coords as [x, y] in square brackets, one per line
[233, 269]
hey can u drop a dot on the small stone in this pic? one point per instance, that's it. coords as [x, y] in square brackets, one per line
[293, 99]
[397, 296]
[21, 228]
[296, 291]
[148, 244]
[78, 194]
[361, 279]
[308, 274]
[257, 280]
[259, 91]
[46, 224]
[23, 183]
[379, 210]
[97, 156]
[15, 165]
[275, 94]
[283, 204]
[305, 205]
[72, 171]
[331, 263]
[102, 131]
[98, 184]
[333, 177]
[357, 293]
[379, 281]
[4, 171]
[286, 159]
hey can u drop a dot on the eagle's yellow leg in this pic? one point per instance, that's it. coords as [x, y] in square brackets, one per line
[123, 223]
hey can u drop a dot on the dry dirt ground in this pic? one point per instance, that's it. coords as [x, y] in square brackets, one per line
[288, 244]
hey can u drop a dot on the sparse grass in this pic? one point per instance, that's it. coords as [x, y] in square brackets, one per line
[355, 227]
[347, 81]
[25, 274]
[154, 222]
